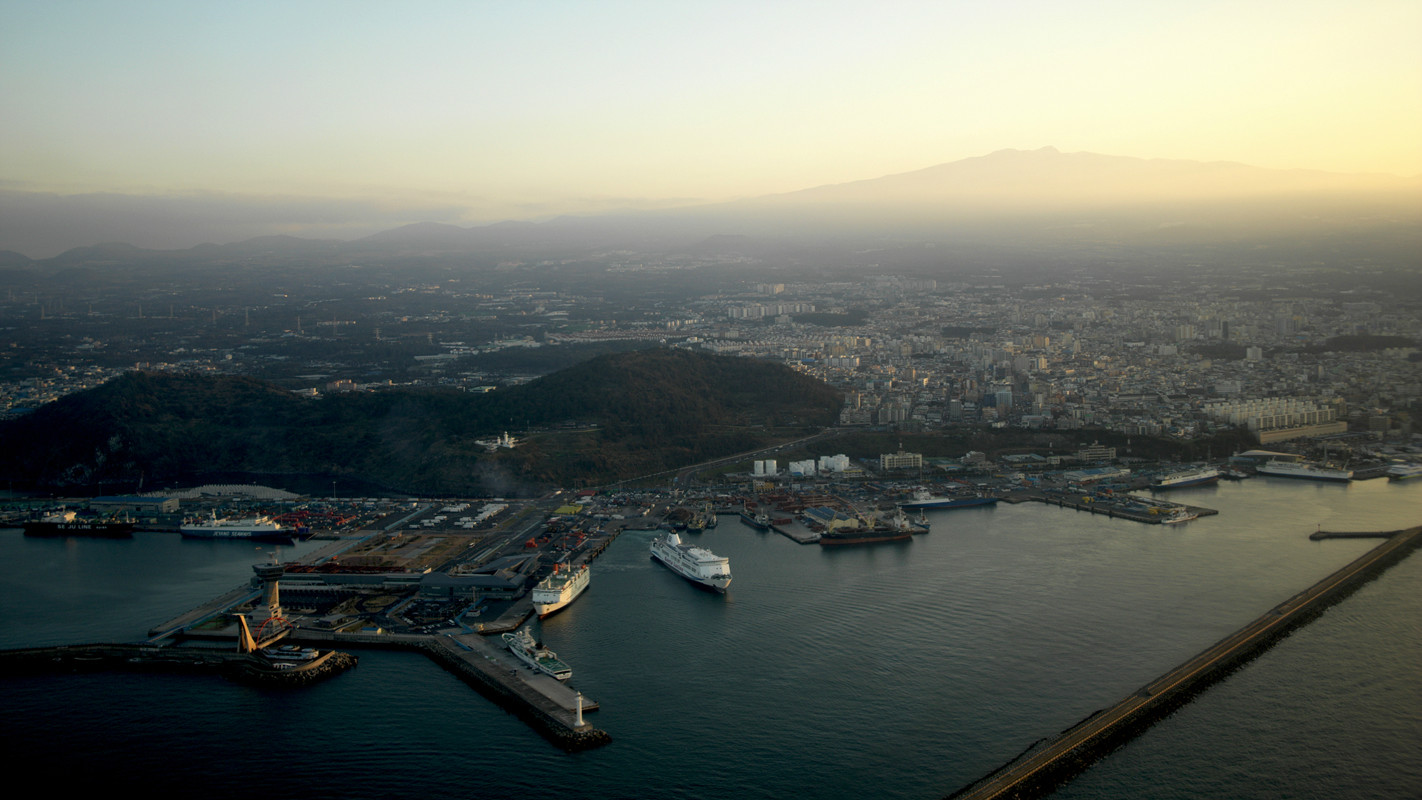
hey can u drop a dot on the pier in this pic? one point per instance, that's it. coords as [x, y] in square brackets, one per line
[1040, 770]
[1116, 510]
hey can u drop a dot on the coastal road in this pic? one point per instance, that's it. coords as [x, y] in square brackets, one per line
[682, 475]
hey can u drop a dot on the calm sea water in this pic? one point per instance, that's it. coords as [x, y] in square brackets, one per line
[896, 671]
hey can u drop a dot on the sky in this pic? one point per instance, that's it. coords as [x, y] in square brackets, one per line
[318, 117]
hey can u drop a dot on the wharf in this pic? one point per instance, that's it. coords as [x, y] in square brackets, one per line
[546, 704]
[1114, 510]
[795, 532]
[217, 605]
[242, 667]
[1041, 770]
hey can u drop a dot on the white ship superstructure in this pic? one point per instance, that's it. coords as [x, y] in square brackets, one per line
[1306, 471]
[697, 564]
[532, 652]
[1191, 477]
[559, 589]
[259, 527]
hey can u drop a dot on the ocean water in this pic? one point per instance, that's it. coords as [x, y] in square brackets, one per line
[895, 671]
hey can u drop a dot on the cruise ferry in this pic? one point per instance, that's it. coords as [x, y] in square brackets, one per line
[1306, 471]
[535, 655]
[1190, 477]
[257, 528]
[559, 589]
[697, 564]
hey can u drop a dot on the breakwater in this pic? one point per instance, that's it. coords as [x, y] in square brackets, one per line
[239, 667]
[546, 705]
[1046, 765]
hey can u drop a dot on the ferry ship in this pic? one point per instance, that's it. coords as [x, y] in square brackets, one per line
[535, 655]
[1190, 477]
[922, 499]
[1404, 472]
[559, 589]
[69, 523]
[697, 564]
[1306, 471]
[257, 528]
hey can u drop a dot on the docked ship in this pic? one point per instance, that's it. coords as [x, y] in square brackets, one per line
[759, 520]
[697, 564]
[559, 589]
[922, 499]
[70, 523]
[535, 655]
[876, 534]
[1306, 471]
[1190, 477]
[1404, 472]
[258, 528]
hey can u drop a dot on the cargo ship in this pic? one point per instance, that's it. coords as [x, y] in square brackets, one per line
[559, 589]
[70, 523]
[1305, 471]
[1190, 477]
[258, 528]
[922, 499]
[697, 564]
[535, 655]
[896, 528]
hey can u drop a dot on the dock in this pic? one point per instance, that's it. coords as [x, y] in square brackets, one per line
[1040, 770]
[795, 532]
[1116, 511]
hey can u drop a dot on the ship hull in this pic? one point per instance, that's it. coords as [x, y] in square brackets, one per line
[759, 525]
[941, 503]
[102, 530]
[547, 603]
[872, 537]
[719, 587]
[1203, 480]
[1324, 475]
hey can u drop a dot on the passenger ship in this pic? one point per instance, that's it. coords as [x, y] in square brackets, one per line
[560, 588]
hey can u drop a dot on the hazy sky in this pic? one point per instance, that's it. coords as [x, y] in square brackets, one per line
[483, 110]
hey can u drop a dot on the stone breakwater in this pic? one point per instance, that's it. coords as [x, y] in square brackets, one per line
[551, 721]
[149, 658]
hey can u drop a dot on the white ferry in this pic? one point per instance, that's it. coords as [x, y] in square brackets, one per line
[559, 589]
[1192, 477]
[1306, 471]
[697, 564]
[258, 528]
[535, 655]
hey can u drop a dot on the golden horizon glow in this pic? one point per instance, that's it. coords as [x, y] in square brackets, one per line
[528, 110]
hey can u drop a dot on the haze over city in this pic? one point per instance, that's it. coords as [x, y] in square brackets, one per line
[166, 125]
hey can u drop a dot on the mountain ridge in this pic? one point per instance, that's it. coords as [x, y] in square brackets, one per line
[998, 183]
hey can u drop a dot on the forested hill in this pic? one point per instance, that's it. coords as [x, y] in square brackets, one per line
[613, 417]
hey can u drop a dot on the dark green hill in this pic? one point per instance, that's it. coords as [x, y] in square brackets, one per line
[613, 417]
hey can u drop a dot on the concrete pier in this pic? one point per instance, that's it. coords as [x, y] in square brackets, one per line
[1042, 769]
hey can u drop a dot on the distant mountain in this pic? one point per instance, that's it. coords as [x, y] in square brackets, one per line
[995, 197]
[613, 417]
[1028, 178]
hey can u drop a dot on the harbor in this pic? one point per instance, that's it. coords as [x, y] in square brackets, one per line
[796, 624]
